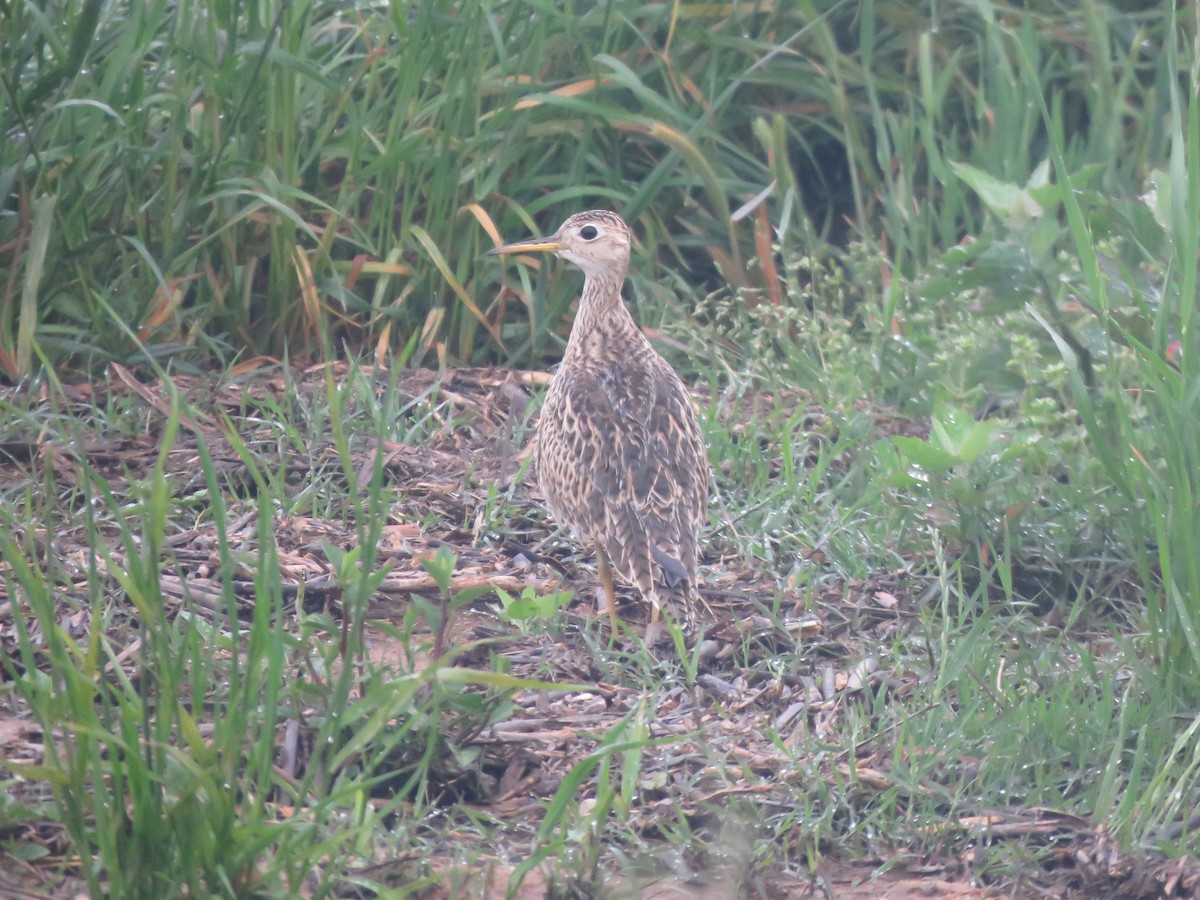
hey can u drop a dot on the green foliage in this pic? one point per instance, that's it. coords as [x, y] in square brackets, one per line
[971, 476]
[531, 609]
[293, 176]
[163, 754]
[178, 810]
[1144, 425]
[439, 616]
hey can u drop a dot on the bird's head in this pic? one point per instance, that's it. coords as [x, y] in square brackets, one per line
[597, 241]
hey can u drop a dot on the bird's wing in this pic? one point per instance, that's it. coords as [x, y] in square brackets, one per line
[648, 479]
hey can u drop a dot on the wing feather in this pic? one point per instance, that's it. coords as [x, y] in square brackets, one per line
[624, 465]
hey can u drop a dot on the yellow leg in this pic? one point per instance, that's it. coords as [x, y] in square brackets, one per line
[652, 629]
[604, 571]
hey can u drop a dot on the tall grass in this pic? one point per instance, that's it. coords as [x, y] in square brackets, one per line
[230, 177]
[160, 770]
[1146, 430]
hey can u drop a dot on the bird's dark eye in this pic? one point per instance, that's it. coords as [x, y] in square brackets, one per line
[588, 232]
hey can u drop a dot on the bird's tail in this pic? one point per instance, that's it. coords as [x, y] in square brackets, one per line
[674, 592]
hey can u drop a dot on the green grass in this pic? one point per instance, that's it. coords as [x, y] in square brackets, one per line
[950, 358]
[292, 171]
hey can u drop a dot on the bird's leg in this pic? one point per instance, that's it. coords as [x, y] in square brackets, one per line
[653, 629]
[604, 572]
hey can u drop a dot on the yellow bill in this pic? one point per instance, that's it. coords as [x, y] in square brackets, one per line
[549, 244]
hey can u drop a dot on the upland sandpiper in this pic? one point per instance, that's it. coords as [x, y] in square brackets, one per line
[619, 453]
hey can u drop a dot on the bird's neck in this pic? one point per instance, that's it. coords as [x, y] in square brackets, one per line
[602, 315]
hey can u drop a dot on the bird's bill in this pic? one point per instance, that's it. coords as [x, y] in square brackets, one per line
[548, 244]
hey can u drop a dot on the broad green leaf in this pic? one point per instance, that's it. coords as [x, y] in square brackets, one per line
[956, 432]
[1012, 203]
[925, 455]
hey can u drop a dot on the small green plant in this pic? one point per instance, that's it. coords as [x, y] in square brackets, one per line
[440, 614]
[531, 610]
[970, 471]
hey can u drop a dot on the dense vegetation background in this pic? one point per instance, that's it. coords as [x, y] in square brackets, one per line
[981, 216]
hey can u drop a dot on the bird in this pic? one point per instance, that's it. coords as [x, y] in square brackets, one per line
[619, 453]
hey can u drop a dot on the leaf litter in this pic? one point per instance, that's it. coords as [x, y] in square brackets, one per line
[733, 737]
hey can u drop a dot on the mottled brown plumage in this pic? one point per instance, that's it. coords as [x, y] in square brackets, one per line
[619, 455]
